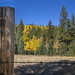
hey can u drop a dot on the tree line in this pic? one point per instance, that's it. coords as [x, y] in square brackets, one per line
[51, 40]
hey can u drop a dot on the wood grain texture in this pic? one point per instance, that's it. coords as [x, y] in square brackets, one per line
[7, 40]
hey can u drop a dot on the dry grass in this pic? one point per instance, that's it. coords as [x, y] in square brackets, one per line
[36, 58]
[46, 67]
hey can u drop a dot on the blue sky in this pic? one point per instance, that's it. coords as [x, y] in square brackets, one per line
[39, 11]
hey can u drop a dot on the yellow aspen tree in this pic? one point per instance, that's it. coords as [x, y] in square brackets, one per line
[33, 44]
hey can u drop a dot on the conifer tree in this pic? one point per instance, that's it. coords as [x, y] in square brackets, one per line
[55, 33]
[63, 18]
[37, 52]
[68, 37]
[19, 32]
[21, 47]
[44, 51]
[44, 38]
[49, 49]
[50, 31]
[41, 49]
[74, 26]
[72, 20]
[15, 32]
[74, 44]
[15, 49]
[73, 23]
[71, 50]
[62, 50]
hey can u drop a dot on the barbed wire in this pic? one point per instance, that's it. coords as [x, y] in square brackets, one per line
[61, 62]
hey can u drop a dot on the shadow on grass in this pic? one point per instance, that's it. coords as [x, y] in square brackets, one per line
[1, 74]
[63, 67]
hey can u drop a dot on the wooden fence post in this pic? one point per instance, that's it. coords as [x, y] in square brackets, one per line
[7, 21]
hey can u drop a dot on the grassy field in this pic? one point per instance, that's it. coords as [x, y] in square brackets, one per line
[46, 68]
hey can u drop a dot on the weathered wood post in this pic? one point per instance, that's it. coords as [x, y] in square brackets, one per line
[7, 20]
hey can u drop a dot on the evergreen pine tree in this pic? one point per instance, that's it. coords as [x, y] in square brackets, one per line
[50, 31]
[62, 50]
[74, 38]
[73, 24]
[15, 49]
[55, 33]
[19, 32]
[72, 20]
[41, 49]
[63, 18]
[15, 32]
[49, 49]
[37, 52]
[21, 47]
[74, 44]
[44, 38]
[70, 51]
[31, 52]
[68, 37]
[44, 51]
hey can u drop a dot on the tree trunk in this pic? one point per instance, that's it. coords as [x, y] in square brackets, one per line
[34, 53]
[28, 52]
[56, 51]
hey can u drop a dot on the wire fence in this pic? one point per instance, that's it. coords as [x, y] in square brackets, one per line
[60, 62]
